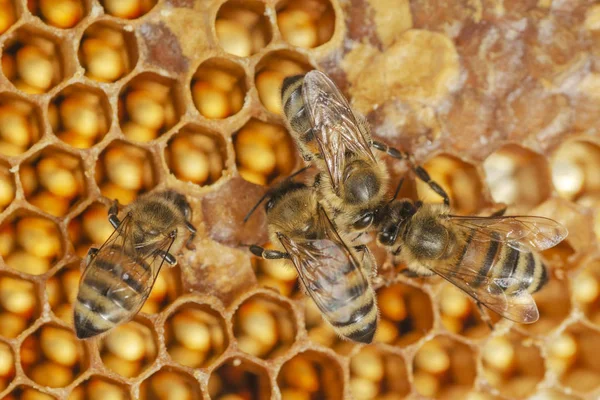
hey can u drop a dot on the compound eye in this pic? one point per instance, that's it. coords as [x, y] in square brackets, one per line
[364, 222]
[387, 236]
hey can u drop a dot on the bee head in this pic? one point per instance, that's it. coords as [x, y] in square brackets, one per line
[361, 182]
[393, 216]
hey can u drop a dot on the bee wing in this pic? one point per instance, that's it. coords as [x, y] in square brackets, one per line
[322, 265]
[335, 126]
[516, 305]
[523, 233]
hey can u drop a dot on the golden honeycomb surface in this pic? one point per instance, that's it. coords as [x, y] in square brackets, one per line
[109, 99]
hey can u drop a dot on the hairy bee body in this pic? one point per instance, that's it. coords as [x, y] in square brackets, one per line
[119, 276]
[331, 273]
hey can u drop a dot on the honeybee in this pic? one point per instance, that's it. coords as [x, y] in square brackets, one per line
[353, 181]
[119, 276]
[492, 259]
[330, 272]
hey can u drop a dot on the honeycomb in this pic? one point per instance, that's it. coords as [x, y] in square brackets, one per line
[109, 99]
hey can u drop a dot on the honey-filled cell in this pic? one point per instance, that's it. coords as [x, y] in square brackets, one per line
[574, 169]
[280, 275]
[33, 61]
[311, 374]
[376, 374]
[7, 186]
[169, 383]
[99, 388]
[305, 24]
[8, 15]
[89, 228]
[586, 290]
[263, 152]
[20, 124]
[23, 392]
[242, 27]
[459, 313]
[53, 357]
[19, 305]
[239, 378]
[128, 9]
[58, 13]
[82, 116]
[7, 366]
[195, 335]
[219, 88]
[107, 51]
[61, 291]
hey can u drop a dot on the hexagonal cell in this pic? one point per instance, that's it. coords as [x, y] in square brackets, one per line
[406, 314]
[32, 61]
[91, 227]
[7, 366]
[242, 27]
[305, 24]
[238, 376]
[196, 155]
[264, 326]
[513, 364]
[311, 374]
[52, 356]
[124, 171]
[554, 304]
[82, 115]
[170, 383]
[30, 243]
[378, 374]
[443, 366]
[573, 357]
[61, 289]
[516, 175]
[271, 70]
[8, 15]
[53, 180]
[219, 88]
[586, 290]
[128, 9]
[20, 124]
[23, 392]
[458, 178]
[149, 105]
[100, 387]
[7, 186]
[19, 305]
[263, 152]
[460, 315]
[129, 349]
[107, 52]
[195, 335]
[574, 169]
[60, 14]
[277, 274]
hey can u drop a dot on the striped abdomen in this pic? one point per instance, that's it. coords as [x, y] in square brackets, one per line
[295, 111]
[112, 290]
[495, 259]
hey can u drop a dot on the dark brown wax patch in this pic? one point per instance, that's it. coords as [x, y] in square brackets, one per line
[360, 23]
[163, 48]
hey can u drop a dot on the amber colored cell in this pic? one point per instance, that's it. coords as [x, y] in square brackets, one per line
[239, 377]
[554, 305]
[196, 155]
[170, 383]
[574, 169]
[264, 327]
[276, 274]
[19, 305]
[263, 152]
[458, 178]
[460, 315]
[271, 70]
[319, 331]
[242, 27]
[513, 364]
[61, 289]
[517, 176]
[107, 52]
[7, 366]
[195, 335]
[378, 374]
[128, 9]
[124, 171]
[20, 125]
[59, 13]
[586, 290]
[306, 24]
[53, 180]
[219, 88]
[312, 373]
[129, 349]
[52, 356]
[8, 15]
[7, 187]
[83, 116]
[32, 62]
[99, 387]
[27, 393]
[406, 315]
[149, 105]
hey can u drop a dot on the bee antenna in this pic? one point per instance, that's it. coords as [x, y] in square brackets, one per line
[397, 190]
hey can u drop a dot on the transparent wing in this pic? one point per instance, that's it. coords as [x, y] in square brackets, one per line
[323, 265]
[523, 233]
[336, 128]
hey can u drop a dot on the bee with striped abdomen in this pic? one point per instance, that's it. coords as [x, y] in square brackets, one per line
[353, 181]
[492, 259]
[330, 272]
[119, 276]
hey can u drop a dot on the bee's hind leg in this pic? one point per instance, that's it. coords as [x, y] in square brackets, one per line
[192, 229]
[112, 214]
[268, 254]
[168, 257]
[485, 317]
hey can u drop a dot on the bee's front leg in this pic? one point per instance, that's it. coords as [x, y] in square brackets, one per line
[112, 214]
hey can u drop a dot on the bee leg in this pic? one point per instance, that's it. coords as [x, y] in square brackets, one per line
[268, 254]
[368, 261]
[92, 252]
[168, 257]
[112, 214]
[192, 229]
[498, 213]
[485, 317]
[419, 171]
